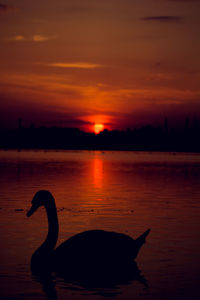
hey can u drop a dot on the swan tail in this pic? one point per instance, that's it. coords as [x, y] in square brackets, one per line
[142, 238]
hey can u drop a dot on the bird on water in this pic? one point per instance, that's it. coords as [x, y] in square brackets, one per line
[88, 250]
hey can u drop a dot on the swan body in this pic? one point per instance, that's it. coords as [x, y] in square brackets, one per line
[89, 249]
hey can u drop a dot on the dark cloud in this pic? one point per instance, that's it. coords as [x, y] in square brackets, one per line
[184, 0]
[14, 107]
[6, 8]
[164, 19]
[67, 121]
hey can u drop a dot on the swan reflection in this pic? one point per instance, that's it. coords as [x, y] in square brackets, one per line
[108, 283]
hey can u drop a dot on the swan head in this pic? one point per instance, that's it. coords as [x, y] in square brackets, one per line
[41, 198]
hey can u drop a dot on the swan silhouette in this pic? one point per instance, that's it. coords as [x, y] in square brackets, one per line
[85, 251]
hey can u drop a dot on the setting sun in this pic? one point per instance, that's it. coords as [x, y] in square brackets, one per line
[98, 128]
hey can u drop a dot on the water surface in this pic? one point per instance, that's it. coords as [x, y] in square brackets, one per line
[126, 192]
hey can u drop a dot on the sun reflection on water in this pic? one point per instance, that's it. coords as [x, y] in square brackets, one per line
[98, 173]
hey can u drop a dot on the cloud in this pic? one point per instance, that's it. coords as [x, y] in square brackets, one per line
[6, 8]
[34, 38]
[40, 38]
[163, 19]
[18, 38]
[78, 65]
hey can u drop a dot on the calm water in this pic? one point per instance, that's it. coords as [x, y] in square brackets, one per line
[126, 192]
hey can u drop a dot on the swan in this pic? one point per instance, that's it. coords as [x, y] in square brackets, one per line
[89, 250]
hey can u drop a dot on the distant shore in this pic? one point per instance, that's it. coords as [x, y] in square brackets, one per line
[147, 138]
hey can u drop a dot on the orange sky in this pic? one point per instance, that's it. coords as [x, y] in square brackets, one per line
[122, 63]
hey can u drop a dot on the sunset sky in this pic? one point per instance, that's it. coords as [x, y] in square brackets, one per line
[121, 63]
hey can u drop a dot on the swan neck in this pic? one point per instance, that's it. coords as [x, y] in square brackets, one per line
[52, 235]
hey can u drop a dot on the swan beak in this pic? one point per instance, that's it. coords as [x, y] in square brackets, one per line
[31, 211]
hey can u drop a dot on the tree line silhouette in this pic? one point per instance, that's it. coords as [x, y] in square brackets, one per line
[147, 138]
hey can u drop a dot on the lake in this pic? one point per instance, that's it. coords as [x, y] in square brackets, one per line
[126, 192]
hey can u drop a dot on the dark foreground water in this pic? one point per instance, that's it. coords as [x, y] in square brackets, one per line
[126, 192]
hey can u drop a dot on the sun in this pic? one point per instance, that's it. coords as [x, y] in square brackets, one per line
[98, 128]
